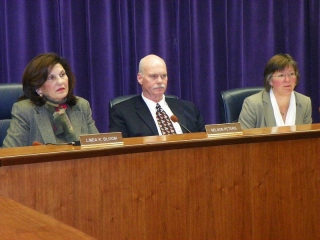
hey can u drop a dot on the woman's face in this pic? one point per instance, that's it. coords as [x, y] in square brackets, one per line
[56, 87]
[283, 82]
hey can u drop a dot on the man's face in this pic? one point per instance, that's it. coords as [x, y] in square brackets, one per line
[153, 79]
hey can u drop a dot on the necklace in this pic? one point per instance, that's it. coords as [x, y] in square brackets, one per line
[283, 113]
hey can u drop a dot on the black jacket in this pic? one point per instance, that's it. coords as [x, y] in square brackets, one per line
[133, 119]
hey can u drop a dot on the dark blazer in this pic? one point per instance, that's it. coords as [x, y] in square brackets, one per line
[31, 123]
[132, 117]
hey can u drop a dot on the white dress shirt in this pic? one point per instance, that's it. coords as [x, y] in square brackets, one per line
[152, 108]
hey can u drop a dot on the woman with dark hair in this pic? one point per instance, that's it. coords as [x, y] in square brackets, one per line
[48, 112]
[278, 104]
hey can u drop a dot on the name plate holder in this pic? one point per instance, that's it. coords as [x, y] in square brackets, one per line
[101, 139]
[223, 130]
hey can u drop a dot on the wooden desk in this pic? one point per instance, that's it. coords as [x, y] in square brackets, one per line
[22, 223]
[264, 184]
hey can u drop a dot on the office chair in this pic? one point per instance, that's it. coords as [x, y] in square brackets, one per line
[9, 94]
[119, 99]
[231, 102]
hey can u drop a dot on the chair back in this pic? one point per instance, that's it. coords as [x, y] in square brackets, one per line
[9, 94]
[119, 99]
[231, 102]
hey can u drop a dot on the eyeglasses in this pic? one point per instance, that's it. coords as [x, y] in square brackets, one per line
[282, 75]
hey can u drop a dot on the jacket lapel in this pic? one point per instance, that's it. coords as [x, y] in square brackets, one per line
[268, 110]
[177, 111]
[45, 128]
[143, 112]
[44, 125]
[299, 113]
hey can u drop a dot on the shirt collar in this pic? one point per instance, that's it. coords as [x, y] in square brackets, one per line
[153, 104]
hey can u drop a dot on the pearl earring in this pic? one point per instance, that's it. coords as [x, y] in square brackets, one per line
[40, 94]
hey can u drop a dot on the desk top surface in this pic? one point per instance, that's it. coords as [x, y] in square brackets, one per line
[20, 222]
[46, 153]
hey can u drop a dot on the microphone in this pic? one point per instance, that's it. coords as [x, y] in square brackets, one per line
[36, 143]
[75, 143]
[175, 119]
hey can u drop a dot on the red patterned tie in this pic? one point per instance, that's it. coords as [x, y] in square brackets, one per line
[164, 121]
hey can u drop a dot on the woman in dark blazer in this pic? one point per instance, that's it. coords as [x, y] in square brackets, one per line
[48, 112]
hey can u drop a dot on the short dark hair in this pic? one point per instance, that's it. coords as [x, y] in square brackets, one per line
[278, 63]
[36, 74]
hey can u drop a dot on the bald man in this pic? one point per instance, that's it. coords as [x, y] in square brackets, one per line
[138, 115]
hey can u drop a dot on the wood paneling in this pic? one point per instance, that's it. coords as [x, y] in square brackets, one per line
[262, 185]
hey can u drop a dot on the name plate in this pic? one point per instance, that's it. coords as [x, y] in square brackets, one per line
[221, 130]
[112, 138]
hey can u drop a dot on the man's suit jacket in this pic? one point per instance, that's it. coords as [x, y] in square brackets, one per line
[257, 111]
[132, 117]
[31, 123]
